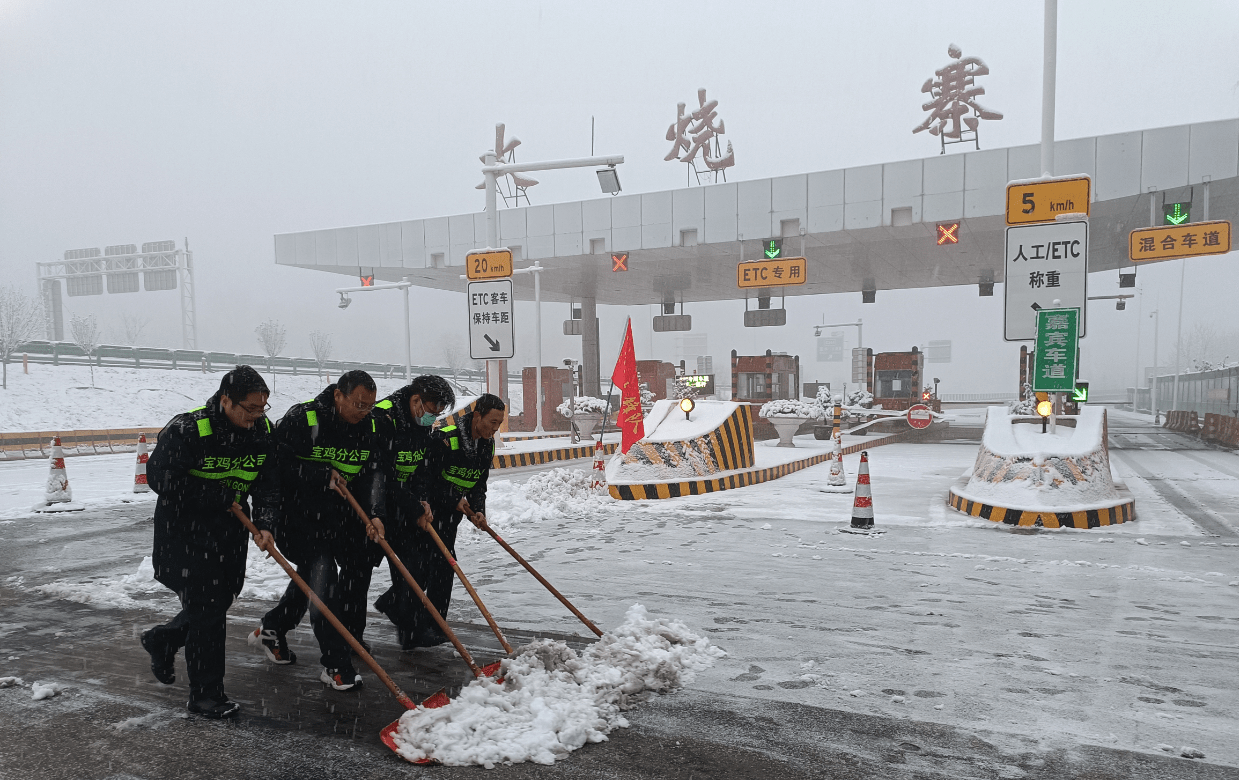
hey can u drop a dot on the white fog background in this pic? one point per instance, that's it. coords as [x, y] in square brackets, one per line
[228, 122]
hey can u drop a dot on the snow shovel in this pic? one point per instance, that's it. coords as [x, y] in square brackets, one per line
[386, 735]
[468, 586]
[488, 670]
[486, 527]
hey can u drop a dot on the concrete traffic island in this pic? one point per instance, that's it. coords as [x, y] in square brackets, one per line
[711, 450]
[1024, 477]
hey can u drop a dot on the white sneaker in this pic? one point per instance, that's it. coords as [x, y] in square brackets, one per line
[274, 645]
[342, 679]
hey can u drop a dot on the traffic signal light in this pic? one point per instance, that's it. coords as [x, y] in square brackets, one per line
[925, 395]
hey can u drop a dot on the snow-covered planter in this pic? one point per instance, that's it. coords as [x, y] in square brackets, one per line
[585, 411]
[583, 405]
[788, 415]
[791, 407]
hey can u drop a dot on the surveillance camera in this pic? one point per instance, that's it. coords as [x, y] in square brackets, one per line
[344, 301]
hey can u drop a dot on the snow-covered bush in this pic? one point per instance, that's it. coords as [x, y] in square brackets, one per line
[1026, 406]
[583, 405]
[861, 397]
[791, 407]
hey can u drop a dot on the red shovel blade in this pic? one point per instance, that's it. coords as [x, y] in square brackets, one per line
[490, 670]
[388, 735]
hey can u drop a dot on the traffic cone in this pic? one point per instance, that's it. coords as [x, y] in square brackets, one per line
[600, 467]
[58, 496]
[862, 504]
[837, 481]
[139, 471]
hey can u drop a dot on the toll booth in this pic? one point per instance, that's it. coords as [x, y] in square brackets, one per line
[896, 380]
[556, 388]
[762, 378]
[655, 375]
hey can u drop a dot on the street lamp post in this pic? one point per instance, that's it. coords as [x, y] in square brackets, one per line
[403, 286]
[1153, 389]
[492, 169]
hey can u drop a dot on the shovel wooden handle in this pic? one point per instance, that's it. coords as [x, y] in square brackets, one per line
[421, 594]
[542, 580]
[400, 695]
[469, 587]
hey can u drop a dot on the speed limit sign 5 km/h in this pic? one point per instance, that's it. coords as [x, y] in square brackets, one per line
[1043, 200]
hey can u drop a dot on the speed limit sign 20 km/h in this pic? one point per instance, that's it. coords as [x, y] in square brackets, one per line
[492, 264]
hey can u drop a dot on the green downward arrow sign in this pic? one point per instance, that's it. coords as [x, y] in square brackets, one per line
[1080, 395]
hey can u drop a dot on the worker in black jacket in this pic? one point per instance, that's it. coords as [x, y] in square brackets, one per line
[206, 460]
[406, 417]
[325, 443]
[457, 466]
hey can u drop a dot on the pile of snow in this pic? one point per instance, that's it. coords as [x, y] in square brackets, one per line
[264, 579]
[44, 690]
[113, 592]
[548, 495]
[791, 407]
[583, 405]
[552, 700]
[11, 682]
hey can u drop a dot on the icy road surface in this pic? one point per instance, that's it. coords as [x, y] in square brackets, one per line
[1037, 640]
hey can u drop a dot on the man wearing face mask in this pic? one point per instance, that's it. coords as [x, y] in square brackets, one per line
[457, 466]
[405, 419]
[329, 441]
[206, 460]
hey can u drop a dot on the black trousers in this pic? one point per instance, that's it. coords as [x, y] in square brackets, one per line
[201, 627]
[415, 627]
[342, 584]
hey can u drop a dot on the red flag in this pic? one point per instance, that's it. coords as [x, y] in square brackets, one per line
[629, 418]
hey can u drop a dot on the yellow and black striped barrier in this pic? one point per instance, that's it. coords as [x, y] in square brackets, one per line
[539, 457]
[738, 479]
[1092, 518]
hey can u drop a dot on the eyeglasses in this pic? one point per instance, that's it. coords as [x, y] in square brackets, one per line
[361, 406]
[255, 412]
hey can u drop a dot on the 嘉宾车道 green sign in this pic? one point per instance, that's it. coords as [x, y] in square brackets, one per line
[1054, 362]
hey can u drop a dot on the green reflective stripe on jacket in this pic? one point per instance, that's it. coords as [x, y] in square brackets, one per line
[465, 484]
[247, 476]
[204, 427]
[348, 469]
[384, 404]
[311, 417]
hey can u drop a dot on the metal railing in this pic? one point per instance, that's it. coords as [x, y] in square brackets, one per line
[66, 353]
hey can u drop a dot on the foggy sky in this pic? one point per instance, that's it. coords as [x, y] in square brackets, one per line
[126, 122]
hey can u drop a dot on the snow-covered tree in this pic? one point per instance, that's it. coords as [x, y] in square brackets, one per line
[85, 332]
[20, 318]
[320, 345]
[131, 327]
[271, 337]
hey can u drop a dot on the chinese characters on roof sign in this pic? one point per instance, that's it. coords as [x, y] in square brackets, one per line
[690, 133]
[495, 264]
[955, 92]
[491, 332]
[1044, 201]
[1054, 362]
[771, 273]
[1170, 241]
[1043, 264]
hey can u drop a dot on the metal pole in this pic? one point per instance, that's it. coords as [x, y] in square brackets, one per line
[860, 334]
[537, 303]
[408, 338]
[1178, 336]
[492, 231]
[1048, 77]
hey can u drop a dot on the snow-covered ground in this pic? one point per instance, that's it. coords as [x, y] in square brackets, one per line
[1119, 636]
[61, 398]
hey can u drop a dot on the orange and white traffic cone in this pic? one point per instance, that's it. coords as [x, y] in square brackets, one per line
[139, 471]
[862, 504]
[57, 496]
[600, 468]
[837, 481]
